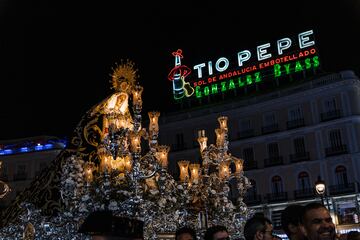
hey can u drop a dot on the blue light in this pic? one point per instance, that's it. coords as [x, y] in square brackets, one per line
[24, 149]
[2, 152]
[8, 151]
[48, 146]
[39, 147]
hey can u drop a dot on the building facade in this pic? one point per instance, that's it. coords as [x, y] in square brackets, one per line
[23, 159]
[287, 138]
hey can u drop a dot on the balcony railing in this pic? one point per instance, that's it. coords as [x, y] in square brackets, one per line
[344, 188]
[299, 157]
[277, 197]
[273, 161]
[295, 123]
[250, 165]
[330, 115]
[336, 150]
[246, 133]
[270, 129]
[304, 193]
[252, 199]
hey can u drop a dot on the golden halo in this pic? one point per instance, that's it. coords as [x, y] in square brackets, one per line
[124, 76]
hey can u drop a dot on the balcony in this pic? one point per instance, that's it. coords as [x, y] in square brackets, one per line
[246, 134]
[249, 165]
[295, 123]
[252, 199]
[270, 129]
[273, 161]
[336, 150]
[299, 157]
[344, 188]
[304, 193]
[277, 197]
[330, 115]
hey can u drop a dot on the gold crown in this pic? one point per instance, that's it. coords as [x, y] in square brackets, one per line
[124, 76]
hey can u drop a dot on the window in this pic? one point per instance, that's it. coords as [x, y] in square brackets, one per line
[335, 138]
[273, 150]
[304, 181]
[295, 113]
[341, 175]
[299, 145]
[276, 185]
[248, 154]
[269, 119]
[330, 105]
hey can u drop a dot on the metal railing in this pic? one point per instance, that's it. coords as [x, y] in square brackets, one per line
[336, 150]
[299, 157]
[295, 123]
[273, 161]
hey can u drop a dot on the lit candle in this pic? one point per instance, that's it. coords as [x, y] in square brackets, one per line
[153, 124]
[223, 122]
[105, 158]
[88, 168]
[238, 165]
[184, 170]
[220, 137]
[224, 171]
[127, 163]
[105, 163]
[135, 139]
[137, 95]
[194, 171]
[162, 155]
[119, 164]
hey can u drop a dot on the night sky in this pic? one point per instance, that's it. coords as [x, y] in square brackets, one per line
[56, 56]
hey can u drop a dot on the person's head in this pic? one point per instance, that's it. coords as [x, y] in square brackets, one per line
[258, 228]
[353, 235]
[103, 225]
[316, 222]
[217, 232]
[185, 233]
[290, 221]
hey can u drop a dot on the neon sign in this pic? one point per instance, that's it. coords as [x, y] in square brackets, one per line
[251, 68]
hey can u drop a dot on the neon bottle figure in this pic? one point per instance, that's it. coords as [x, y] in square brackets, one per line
[177, 76]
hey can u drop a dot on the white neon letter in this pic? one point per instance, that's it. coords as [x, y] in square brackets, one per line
[198, 67]
[303, 39]
[243, 56]
[210, 68]
[226, 64]
[283, 44]
[261, 52]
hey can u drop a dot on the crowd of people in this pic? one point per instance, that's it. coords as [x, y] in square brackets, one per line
[309, 222]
